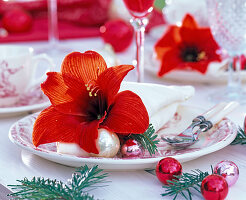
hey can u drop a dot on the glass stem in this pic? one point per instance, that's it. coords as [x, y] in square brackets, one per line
[139, 25]
[234, 77]
[53, 34]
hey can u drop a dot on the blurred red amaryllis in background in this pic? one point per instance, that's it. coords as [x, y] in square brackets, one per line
[84, 97]
[186, 47]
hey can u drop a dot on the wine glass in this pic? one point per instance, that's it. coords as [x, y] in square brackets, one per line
[53, 33]
[227, 19]
[139, 9]
[54, 47]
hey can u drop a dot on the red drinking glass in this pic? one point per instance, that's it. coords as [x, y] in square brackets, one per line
[139, 9]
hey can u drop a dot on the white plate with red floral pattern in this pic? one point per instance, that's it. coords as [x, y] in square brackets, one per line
[29, 102]
[215, 139]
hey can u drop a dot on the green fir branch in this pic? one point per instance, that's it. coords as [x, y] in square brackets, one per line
[183, 185]
[147, 140]
[77, 187]
[240, 138]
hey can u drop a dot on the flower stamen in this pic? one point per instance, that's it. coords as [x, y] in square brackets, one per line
[92, 89]
[201, 56]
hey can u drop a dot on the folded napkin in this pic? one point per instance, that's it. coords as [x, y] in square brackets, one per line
[160, 101]
[39, 32]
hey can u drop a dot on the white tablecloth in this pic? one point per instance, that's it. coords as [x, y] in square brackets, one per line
[17, 164]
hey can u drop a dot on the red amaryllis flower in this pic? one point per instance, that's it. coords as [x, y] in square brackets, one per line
[188, 46]
[84, 97]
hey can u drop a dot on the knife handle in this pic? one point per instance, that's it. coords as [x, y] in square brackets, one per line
[229, 107]
[214, 110]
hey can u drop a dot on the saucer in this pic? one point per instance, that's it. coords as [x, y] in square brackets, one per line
[31, 101]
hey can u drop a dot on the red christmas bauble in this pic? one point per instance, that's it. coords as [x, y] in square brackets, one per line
[118, 33]
[17, 21]
[167, 168]
[214, 187]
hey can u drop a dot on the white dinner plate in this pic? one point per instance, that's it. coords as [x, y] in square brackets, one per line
[215, 139]
[29, 102]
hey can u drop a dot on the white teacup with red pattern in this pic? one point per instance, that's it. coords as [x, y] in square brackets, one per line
[19, 68]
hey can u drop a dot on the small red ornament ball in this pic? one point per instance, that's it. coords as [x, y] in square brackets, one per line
[17, 21]
[167, 168]
[131, 148]
[214, 187]
[118, 33]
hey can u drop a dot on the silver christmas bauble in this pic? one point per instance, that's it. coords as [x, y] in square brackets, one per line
[108, 143]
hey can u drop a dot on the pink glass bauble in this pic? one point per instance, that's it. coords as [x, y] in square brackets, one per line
[131, 148]
[167, 168]
[228, 170]
[214, 187]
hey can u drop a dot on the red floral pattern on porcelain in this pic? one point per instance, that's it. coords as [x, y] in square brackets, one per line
[21, 133]
[7, 89]
[32, 96]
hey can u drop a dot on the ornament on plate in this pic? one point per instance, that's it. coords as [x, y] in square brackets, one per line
[167, 168]
[228, 170]
[214, 187]
[108, 144]
[131, 148]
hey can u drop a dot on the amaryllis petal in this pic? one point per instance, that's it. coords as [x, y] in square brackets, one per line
[189, 22]
[167, 41]
[170, 61]
[200, 37]
[109, 81]
[88, 134]
[53, 126]
[201, 66]
[203, 40]
[65, 93]
[85, 66]
[55, 88]
[127, 115]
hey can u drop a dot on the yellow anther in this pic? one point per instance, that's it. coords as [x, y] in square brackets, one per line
[95, 94]
[201, 56]
[90, 94]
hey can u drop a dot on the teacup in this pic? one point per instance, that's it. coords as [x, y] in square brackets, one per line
[18, 72]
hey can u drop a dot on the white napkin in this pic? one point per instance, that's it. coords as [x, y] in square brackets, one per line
[160, 101]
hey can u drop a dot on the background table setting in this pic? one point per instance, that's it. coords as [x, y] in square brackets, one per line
[184, 65]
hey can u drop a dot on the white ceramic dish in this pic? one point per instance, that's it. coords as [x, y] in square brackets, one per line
[31, 101]
[217, 138]
[192, 76]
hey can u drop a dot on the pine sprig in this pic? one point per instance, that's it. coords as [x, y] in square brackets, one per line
[240, 138]
[147, 140]
[83, 180]
[183, 185]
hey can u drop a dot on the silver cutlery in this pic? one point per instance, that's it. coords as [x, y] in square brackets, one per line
[201, 123]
